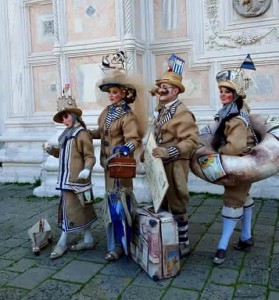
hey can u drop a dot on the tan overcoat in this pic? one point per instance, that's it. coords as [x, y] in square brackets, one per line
[74, 155]
[123, 130]
[179, 131]
[238, 137]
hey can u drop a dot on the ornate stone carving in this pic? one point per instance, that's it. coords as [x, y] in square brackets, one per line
[251, 8]
[216, 39]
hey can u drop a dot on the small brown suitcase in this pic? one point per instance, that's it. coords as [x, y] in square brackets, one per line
[122, 167]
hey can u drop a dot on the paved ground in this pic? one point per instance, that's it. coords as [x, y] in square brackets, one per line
[86, 275]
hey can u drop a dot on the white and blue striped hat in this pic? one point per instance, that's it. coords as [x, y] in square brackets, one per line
[174, 74]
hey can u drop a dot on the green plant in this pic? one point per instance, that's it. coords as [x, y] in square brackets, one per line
[37, 182]
[98, 199]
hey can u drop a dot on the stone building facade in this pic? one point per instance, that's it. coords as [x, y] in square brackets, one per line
[47, 43]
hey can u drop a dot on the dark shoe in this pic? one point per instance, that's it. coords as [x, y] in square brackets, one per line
[220, 257]
[243, 245]
[184, 250]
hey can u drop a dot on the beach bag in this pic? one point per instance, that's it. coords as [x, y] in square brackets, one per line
[40, 235]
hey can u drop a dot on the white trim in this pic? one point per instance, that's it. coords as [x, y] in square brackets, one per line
[232, 212]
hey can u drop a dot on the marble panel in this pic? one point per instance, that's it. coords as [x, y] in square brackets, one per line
[196, 82]
[85, 73]
[87, 19]
[41, 27]
[170, 20]
[44, 79]
[264, 90]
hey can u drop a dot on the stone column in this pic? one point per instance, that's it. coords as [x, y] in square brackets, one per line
[4, 70]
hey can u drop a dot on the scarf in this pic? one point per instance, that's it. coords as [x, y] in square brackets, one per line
[67, 133]
[227, 112]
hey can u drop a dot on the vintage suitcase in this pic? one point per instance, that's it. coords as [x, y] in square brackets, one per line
[122, 167]
[154, 243]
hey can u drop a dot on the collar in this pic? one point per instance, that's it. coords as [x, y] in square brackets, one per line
[171, 103]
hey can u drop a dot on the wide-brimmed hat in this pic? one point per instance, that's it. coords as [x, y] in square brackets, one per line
[232, 79]
[132, 84]
[173, 79]
[66, 105]
[106, 86]
[119, 78]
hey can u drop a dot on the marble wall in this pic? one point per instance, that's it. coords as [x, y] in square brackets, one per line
[46, 44]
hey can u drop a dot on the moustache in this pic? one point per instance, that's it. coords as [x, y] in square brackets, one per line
[155, 92]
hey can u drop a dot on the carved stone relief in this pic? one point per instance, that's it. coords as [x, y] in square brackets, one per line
[217, 39]
[251, 8]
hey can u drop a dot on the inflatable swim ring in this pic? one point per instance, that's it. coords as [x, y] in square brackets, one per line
[260, 162]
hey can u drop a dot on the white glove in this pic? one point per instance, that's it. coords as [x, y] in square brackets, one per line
[84, 174]
[47, 148]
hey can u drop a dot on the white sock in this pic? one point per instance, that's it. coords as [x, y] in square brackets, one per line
[246, 224]
[228, 228]
[88, 238]
[63, 239]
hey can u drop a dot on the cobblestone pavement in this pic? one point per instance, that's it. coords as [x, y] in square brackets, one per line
[87, 275]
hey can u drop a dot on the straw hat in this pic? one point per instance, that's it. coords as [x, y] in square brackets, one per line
[173, 75]
[66, 104]
[173, 79]
[232, 79]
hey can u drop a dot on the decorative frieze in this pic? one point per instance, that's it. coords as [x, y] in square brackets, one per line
[218, 38]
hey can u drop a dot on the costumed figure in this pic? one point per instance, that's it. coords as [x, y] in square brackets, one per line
[121, 134]
[76, 160]
[176, 135]
[234, 136]
[255, 163]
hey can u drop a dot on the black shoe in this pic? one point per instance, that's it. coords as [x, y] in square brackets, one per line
[243, 245]
[220, 257]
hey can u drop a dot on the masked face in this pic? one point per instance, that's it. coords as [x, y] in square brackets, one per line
[67, 119]
[115, 94]
[168, 93]
[226, 95]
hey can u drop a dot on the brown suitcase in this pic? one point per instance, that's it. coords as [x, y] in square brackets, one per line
[122, 167]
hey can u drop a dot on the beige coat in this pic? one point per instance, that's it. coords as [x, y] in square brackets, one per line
[180, 131]
[238, 137]
[122, 130]
[76, 154]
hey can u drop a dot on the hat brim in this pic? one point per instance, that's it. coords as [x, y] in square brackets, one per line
[58, 117]
[231, 85]
[106, 86]
[172, 82]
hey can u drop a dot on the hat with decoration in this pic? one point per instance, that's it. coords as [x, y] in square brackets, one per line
[173, 75]
[66, 104]
[113, 66]
[236, 79]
